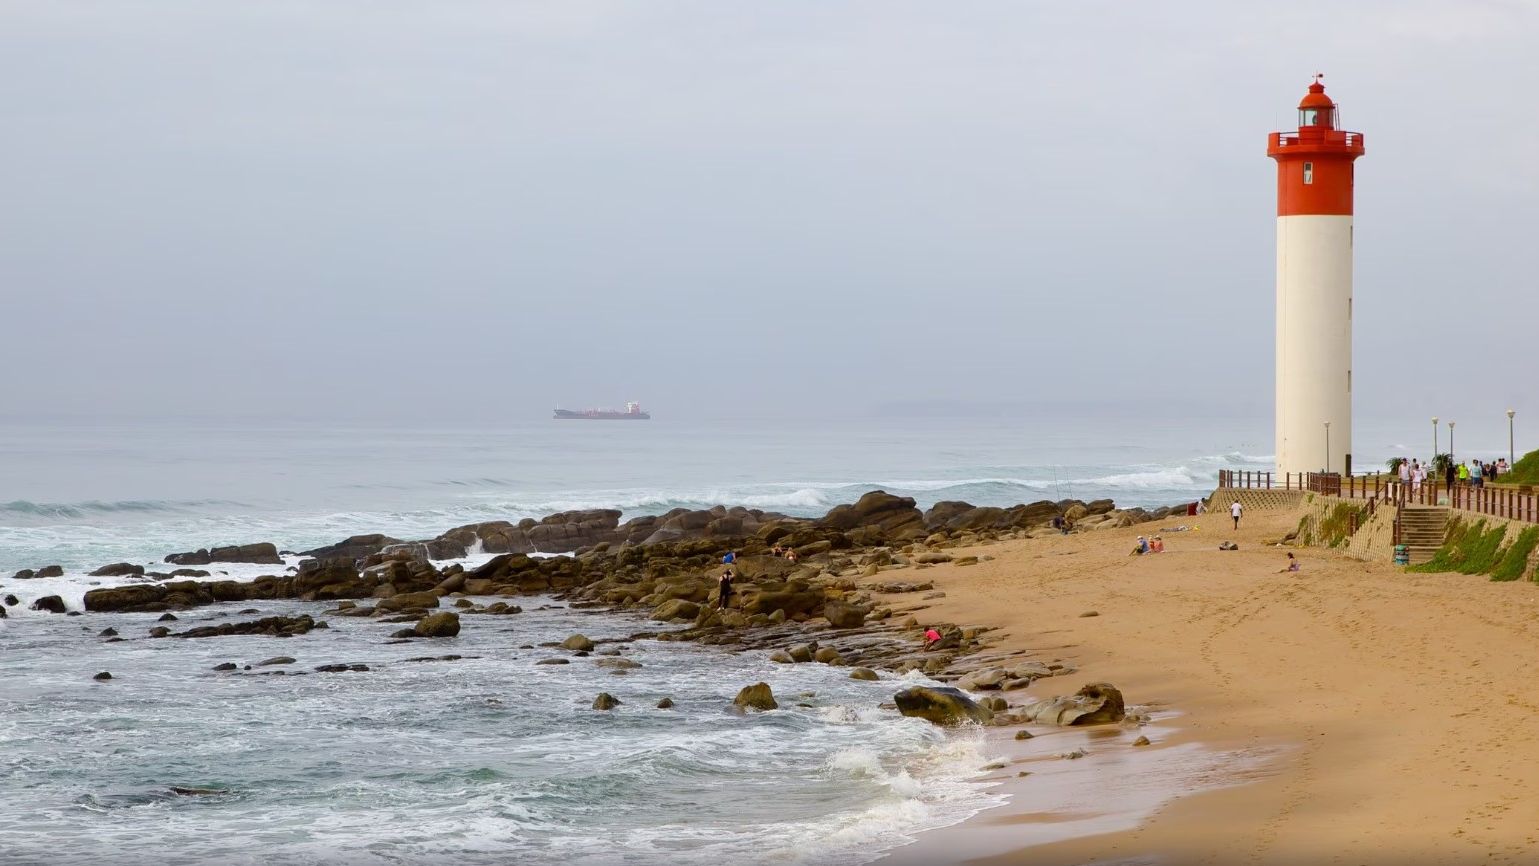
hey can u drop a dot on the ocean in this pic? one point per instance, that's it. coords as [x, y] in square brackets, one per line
[488, 758]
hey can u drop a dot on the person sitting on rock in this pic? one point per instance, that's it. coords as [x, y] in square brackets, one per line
[931, 637]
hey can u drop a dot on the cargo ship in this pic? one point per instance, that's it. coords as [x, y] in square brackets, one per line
[632, 413]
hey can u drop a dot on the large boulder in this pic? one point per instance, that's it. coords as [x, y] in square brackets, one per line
[942, 706]
[441, 624]
[578, 643]
[676, 609]
[841, 614]
[50, 603]
[276, 626]
[757, 696]
[408, 600]
[1095, 704]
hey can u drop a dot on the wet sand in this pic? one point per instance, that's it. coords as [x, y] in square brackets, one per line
[1358, 715]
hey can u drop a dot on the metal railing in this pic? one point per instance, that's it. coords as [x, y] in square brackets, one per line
[1492, 501]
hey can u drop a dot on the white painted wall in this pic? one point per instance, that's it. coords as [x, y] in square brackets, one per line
[1314, 341]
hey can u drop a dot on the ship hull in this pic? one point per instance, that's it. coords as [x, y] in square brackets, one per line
[569, 415]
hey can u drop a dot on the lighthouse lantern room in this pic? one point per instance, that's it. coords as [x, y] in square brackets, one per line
[1314, 287]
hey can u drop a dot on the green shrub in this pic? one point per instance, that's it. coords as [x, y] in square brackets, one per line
[1336, 527]
[1525, 471]
[1470, 549]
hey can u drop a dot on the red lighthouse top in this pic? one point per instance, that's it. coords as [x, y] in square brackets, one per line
[1314, 163]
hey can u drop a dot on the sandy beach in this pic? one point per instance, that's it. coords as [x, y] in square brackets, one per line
[1363, 715]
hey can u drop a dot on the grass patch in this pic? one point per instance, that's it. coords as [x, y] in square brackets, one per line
[1515, 560]
[1471, 549]
[1525, 471]
[1336, 526]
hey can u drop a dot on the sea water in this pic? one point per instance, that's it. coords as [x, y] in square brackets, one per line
[490, 758]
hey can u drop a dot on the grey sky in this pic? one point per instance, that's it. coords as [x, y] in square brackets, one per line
[381, 208]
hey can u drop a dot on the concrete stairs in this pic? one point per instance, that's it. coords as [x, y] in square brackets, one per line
[1423, 528]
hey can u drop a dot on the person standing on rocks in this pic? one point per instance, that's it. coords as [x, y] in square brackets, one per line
[1235, 511]
[724, 589]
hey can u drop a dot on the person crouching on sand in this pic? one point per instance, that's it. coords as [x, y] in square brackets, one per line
[1293, 564]
[931, 637]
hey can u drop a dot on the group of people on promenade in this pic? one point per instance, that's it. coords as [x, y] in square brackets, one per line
[1472, 473]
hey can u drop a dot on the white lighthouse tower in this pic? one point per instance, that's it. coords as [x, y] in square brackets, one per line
[1314, 287]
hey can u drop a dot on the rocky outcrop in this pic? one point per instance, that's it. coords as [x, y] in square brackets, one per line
[756, 697]
[354, 547]
[276, 626]
[1095, 704]
[880, 516]
[262, 553]
[606, 701]
[942, 706]
[577, 643]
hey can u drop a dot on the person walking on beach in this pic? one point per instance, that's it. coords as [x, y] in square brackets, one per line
[1464, 473]
[1405, 474]
[1418, 473]
[1475, 475]
[1235, 511]
[724, 588]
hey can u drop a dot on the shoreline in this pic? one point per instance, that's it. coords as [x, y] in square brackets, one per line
[1369, 716]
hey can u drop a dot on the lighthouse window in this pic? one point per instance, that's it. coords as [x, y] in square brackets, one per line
[1309, 172]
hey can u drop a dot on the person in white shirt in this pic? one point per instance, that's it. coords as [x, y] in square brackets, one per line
[1235, 511]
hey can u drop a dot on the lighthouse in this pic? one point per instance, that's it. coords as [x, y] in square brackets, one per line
[1314, 287]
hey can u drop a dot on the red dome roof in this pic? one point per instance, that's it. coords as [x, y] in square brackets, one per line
[1316, 98]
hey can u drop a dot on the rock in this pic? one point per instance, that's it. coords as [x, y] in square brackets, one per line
[404, 634]
[49, 603]
[864, 674]
[107, 632]
[226, 666]
[985, 679]
[275, 660]
[160, 631]
[355, 547]
[757, 696]
[942, 706]
[781, 657]
[118, 569]
[577, 642]
[553, 662]
[995, 704]
[24, 574]
[1095, 704]
[676, 609]
[51, 571]
[409, 600]
[441, 624]
[844, 615]
[802, 653]
[1023, 735]
[1089, 613]
[167, 617]
[617, 664]
[932, 558]
[665, 704]
[1228, 545]
[1074, 755]
[197, 792]
[1141, 741]
[965, 560]
[12, 601]
[826, 655]
[606, 701]
[104, 675]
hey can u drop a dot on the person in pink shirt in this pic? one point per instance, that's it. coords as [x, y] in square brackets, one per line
[931, 637]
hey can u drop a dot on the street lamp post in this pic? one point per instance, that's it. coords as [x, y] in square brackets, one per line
[1434, 437]
[1512, 456]
[1450, 442]
[1327, 447]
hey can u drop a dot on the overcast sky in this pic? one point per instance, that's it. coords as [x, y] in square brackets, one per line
[379, 208]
